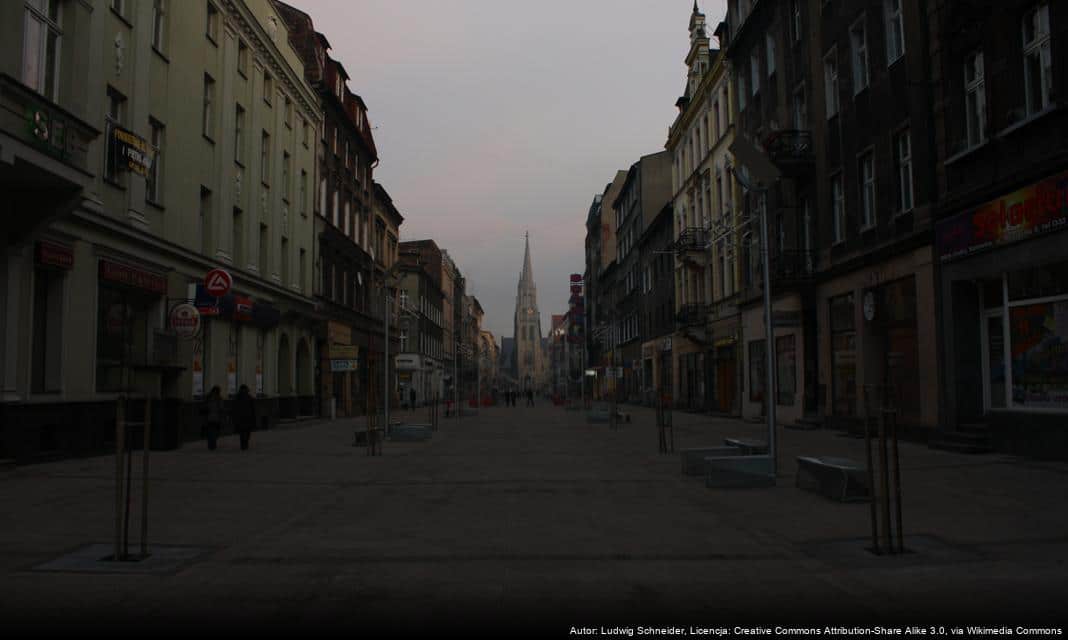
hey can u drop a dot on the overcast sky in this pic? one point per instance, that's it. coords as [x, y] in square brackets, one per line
[494, 117]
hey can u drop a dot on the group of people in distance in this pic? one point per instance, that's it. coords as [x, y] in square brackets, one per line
[242, 413]
[511, 395]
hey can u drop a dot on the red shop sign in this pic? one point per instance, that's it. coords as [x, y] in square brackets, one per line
[55, 255]
[132, 277]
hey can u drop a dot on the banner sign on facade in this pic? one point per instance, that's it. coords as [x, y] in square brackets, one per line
[1036, 209]
[343, 352]
[184, 320]
[129, 151]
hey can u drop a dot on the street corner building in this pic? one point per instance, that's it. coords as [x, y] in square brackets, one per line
[142, 145]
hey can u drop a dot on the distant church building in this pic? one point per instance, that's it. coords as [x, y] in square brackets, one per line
[528, 357]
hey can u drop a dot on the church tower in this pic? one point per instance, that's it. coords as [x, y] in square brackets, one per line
[528, 355]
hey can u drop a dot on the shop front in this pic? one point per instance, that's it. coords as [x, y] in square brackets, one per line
[1004, 307]
[789, 346]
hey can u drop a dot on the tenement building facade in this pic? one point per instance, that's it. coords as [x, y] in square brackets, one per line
[348, 236]
[1001, 227]
[156, 193]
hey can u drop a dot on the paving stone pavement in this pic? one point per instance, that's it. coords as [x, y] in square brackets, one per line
[530, 519]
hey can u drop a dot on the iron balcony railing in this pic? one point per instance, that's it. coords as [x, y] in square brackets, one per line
[690, 315]
[790, 146]
[691, 239]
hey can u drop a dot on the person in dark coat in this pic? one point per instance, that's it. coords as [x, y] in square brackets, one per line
[411, 394]
[244, 414]
[213, 416]
[530, 397]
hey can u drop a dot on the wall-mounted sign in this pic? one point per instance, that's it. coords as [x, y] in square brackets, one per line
[54, 255]
[343, 352]
[129, 151]
[338, 366]
[184, 320]
[1036, 209]
[132, 277]
[218, 282]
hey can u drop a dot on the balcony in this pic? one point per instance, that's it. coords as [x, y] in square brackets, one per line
[788, 270]
[692, 315]
[791, 149]
[692, 246]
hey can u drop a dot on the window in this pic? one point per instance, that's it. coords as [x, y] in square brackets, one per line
[838, 208]
[268, 88]
[303, 194]
[265, 157]
[754, 72]
[47, 330]
[786, 365]
[154, 180]
[800, 108]
[830, 83]
[116, 116]
[204, 221]
[288, 112]
[239, 135]
[122, 334]
[843, 355]
[262, 262]
[212, 26]
[208, 111]
[305, 129]
[867, 190]
[237, 237]
[903, 145]
[895, 31]
[285, 176]
[159, 24]
[242, 58]
[302, 265]
[1038, 71]
[796, 17]
[40, 48]
[334, 145]
[284, 251]
[974, 99]
[858, 39]
[770, 47]
[758, 365]
[404, 340]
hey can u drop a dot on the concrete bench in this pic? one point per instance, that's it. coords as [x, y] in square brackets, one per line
[738, 472]
[748, 446]
[410, 433]
[839, 479]
[693, 460]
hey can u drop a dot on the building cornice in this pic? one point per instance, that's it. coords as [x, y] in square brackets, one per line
[240, 19]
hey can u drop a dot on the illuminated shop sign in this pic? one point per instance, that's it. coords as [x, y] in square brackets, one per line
[1036, 209]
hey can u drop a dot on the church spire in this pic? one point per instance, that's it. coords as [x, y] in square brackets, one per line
[527, 277]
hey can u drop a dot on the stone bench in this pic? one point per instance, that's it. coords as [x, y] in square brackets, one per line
[839, 479]
[410, 433]
[693, 460]
[748, 446]
[738, 472]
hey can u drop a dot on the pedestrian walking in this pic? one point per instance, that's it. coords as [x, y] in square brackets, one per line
[213, 417]
[411, 394]
[244, 413]
[530, 397]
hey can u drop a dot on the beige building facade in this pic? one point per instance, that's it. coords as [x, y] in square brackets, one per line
[204, 160]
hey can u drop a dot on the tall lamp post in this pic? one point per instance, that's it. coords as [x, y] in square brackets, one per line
[759, 172]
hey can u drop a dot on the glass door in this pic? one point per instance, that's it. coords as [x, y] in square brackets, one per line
[994, 382]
